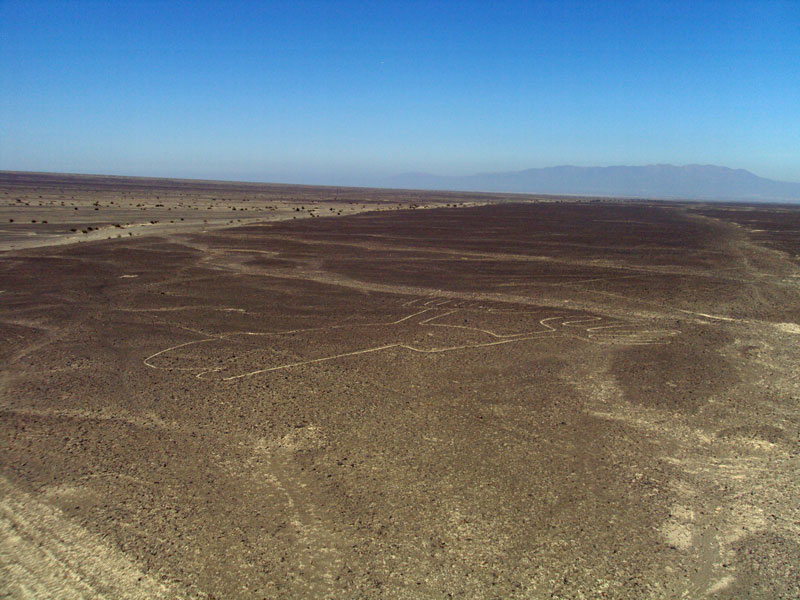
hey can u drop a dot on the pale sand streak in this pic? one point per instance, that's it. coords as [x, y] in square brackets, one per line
[45, 555]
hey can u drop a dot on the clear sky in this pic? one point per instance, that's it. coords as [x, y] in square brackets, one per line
[343, 92]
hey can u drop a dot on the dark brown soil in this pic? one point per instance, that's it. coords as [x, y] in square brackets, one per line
[510, 401]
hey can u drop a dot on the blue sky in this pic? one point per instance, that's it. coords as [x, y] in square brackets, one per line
[345, 92]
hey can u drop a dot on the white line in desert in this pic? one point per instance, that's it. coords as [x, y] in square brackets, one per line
[179, 308]
[305, 362]
[147, 360]
[326, 328]
[578, 321]
[618, 325]
[442, 303]
[486, 331]
[377, 349]
[560, 283]
[516, 338]
[691, 312]
[644, 337]
[410, 302]
[604, 327]
[428, 320]
[403, 319]
[543, 322]
[468, 347]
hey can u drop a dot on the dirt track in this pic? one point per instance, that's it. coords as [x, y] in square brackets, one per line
[528, 400]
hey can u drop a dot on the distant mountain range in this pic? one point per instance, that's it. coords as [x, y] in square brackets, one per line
[702, 182]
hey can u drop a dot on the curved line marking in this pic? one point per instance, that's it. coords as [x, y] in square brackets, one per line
[636, 338]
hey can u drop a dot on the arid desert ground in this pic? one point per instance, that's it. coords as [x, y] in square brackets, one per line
[493, 397]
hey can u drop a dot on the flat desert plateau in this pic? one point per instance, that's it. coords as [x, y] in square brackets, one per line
[217, 390]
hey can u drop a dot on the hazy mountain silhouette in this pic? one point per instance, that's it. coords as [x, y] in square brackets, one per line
[653, 181]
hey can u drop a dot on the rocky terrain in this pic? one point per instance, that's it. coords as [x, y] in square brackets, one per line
[526, 400]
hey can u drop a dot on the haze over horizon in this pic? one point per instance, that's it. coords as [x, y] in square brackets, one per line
[347, 94]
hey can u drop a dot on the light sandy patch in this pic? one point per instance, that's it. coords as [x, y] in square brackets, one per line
[788, 327]
[304, 438]
[678, 531]
[720, 584]
[44, 555]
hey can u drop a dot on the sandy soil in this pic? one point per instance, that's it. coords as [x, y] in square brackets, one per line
[42, 209]
[507, 401]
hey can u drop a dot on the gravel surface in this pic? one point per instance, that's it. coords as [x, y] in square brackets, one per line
[541, 400]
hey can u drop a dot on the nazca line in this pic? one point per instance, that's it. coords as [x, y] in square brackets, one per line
[501, 339]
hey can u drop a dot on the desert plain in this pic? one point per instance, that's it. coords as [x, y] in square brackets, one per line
[218, 390]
